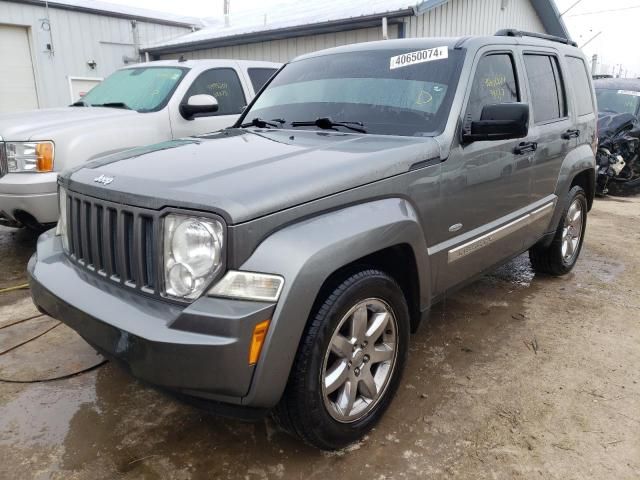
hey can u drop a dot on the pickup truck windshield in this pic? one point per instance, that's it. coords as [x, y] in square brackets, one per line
[411, 97]
[144, 89]
[618, 101]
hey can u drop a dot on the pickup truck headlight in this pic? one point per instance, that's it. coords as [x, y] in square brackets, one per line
[30, 156]
[192, 254]
[62, 228]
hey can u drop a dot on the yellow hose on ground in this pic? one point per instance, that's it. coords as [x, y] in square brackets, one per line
[11, 289]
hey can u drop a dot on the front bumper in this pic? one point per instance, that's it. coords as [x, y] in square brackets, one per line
[200, 349]
[33, 193]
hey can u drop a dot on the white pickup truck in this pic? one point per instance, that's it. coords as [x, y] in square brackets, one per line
[137, 105]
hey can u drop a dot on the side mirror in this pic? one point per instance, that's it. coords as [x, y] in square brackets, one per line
[501, 121]
[197, 104]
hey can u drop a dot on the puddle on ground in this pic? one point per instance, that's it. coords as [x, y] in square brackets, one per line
[41, 413]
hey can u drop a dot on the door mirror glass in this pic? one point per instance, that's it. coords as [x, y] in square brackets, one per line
[502, 121]
[198, 104]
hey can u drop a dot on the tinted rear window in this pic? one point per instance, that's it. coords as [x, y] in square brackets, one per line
[260, 76]
[547, 89]
[580, 84]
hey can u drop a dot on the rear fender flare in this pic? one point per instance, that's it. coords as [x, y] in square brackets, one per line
[577, 161]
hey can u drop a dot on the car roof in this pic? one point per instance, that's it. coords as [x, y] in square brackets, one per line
[206, 63]
[470, 43]
[632, 84]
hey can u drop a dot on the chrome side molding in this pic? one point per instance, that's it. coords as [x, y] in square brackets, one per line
[488, 238]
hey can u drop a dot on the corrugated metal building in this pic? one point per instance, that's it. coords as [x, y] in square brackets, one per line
[288, 29]
[52, 51]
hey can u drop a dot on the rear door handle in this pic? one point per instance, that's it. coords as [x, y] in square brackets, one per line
[570, 134]
[525, 147]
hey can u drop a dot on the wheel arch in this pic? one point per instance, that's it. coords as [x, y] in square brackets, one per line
[398, 261]
[578, 168]
[587, 180]
[312, 254]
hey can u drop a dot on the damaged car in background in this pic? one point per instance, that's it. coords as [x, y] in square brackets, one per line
[618, 136]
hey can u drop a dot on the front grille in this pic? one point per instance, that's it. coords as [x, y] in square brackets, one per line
[4, 166]
[115, 241]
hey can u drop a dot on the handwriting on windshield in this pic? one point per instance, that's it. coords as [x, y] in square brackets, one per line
[424, 98]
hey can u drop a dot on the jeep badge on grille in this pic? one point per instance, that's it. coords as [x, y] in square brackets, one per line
[103, 179]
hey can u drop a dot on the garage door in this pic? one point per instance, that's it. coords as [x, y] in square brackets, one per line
[17, 85]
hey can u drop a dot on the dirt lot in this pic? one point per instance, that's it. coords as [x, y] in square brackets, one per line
[517, 376]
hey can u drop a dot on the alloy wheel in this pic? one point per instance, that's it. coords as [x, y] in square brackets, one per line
[572, 231]
[360, 360]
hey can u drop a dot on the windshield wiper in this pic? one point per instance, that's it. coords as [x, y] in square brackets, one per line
[260, 123]
[112, 105]
[326, 124]
[80, 103]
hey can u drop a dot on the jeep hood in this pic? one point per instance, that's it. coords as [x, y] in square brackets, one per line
[245, 174]
[46, 124]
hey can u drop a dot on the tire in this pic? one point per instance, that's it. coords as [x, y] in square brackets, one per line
[309, 407]
[562, 254]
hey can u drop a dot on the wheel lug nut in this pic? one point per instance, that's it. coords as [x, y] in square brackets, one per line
[357, 371]
[366, 358]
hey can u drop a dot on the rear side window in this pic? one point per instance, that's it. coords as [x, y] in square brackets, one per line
[260, 76]
[580, 83]
[547, 88]
[494, 82]
[224, 85]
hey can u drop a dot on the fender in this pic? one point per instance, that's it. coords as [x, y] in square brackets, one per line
[578, 160]
[306, 254]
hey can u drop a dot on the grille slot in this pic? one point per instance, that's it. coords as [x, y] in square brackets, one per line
[4, 165]
[114, 241]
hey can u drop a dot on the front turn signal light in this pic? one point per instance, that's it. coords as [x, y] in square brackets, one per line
[257, 340]
[44, 157]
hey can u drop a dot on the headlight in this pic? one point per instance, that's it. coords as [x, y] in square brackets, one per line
[62, 229]
[192, 254]
[30, 156]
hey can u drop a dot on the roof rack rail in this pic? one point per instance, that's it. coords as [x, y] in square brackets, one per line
[512, 32]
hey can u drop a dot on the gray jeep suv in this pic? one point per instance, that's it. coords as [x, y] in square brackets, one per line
[280, 265]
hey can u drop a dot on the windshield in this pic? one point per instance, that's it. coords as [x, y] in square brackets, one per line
[618, 101]
[390, 92]
[145, 89]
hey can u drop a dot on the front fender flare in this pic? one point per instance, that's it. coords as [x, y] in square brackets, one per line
[306, 254]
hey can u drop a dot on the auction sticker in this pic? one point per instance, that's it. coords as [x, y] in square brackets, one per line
[419, 56]
[629, 92]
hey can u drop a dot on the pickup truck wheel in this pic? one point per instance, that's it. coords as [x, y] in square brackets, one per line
[349, 362]
[560, 257]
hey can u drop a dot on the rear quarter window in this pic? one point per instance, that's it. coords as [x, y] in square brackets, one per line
[581, 87]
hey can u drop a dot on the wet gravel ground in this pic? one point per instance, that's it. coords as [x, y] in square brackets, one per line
[516, 376]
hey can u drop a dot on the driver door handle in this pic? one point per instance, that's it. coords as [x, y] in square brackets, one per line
[570, 134]
[525, 147]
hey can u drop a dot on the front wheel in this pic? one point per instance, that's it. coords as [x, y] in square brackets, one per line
[349, 362]
[561, 255]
